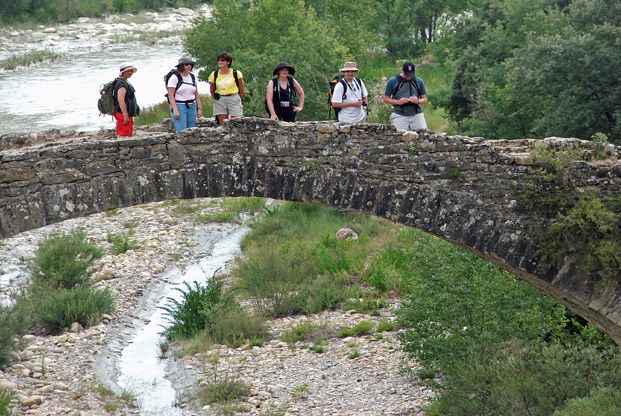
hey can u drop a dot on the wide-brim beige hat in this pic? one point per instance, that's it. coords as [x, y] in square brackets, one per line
[349, 66]
[127, 67]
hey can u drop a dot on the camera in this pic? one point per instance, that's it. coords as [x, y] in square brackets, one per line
[216, 96]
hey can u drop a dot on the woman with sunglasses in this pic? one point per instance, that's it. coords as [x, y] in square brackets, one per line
[227, 89]
[185, 103]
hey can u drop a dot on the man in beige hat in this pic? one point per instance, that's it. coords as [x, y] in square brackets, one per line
[125, 105]
[350, 96]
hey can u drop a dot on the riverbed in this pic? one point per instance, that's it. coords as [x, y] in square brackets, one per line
[63, 94]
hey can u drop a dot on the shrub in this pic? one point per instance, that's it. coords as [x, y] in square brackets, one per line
[361, 328]
[63, 260]
[525, 380]
[59, 308]
[603, 401]
[367, 306]
[386, 326]
[121, 242]
[14, 320]
[236, 326]
[224, 390]
[6, 396]
[210, 311]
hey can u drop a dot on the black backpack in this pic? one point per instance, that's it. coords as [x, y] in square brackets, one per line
[399, 84]
[276, 99]
[172, 72]
[332, 84]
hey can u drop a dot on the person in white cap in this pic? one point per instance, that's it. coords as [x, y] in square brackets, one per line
[125, 105]
[350, 96]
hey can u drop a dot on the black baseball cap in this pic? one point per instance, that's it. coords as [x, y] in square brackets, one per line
[408, 67]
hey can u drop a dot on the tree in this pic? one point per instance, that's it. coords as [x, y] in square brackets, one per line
[262, 33]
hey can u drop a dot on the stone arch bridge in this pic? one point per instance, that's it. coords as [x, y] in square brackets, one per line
[465, 190]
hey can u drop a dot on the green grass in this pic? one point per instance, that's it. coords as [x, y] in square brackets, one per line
[122, 242]
[360, 329]
[28, 58]
[294, 264]
[14, 321]
[209, 313]
[58, 308]
[6, 396]
[224, 390]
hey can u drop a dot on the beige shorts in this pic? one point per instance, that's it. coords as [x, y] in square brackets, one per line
[230, 104]
[416, 122]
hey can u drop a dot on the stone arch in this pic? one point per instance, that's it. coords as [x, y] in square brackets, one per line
[464, 190]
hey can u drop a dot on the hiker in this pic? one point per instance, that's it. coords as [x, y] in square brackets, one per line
[227, 89]
[185, 102]
[281, 92]
[406, 92]
[125, 105]
[350, 96]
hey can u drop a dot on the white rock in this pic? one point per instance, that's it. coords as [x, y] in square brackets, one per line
[83, 20]
[50, 30]
[183, 11]
[32, 400]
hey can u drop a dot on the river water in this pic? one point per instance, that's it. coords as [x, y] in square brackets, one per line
[140, 369]
[63, 94]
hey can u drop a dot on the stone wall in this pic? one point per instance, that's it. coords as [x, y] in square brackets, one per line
[465, 190]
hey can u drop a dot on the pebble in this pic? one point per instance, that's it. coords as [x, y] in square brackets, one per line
[59, 374]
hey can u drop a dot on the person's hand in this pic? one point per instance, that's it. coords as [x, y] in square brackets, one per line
[176, 114]
[199, 112]
[125, 119]
[403, 101]
[274, 117]
[356, 104]
[297, 109]
[413, 99]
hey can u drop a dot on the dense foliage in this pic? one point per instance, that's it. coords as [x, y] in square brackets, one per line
[537, 68]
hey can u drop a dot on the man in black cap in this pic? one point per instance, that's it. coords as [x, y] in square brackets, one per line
[281, 94]
[406, 92]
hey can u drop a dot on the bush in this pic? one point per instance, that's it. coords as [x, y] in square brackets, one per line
[211, 312]
[224, 391]
[6, 396]
[121, 242]
[14, 320]
[604, 401]
[526, 380]
[361, 328]
[56, 309]
[62, 261]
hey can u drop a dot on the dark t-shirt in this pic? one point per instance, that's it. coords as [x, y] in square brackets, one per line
[407, 90]
[130, 97]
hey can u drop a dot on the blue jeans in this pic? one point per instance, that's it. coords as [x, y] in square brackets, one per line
[188, 116]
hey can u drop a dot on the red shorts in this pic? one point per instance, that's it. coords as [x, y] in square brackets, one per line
[123, 129]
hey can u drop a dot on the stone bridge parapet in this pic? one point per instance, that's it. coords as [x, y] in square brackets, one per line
[465, 190]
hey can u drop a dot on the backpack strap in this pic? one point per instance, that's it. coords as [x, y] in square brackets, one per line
[215, 77]
[344, 83]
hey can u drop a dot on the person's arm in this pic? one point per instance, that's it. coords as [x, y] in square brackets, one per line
[173, 102]
[120, 96]
[269, 97]
[300, 91]
[240, 81]
[212, 85]
[388, 91]
[199, 103]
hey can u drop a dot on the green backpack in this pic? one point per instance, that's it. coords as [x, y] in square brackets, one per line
[105, 104]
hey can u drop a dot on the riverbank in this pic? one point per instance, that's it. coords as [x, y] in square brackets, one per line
[57, 375]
